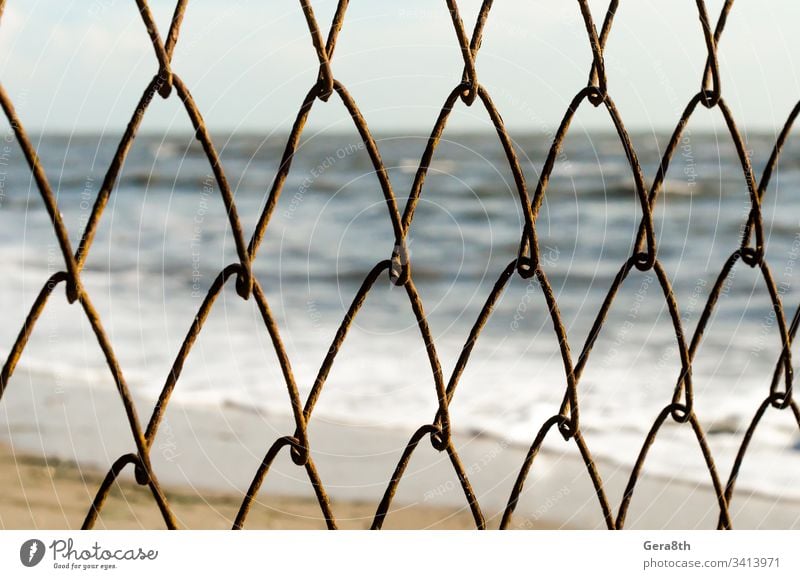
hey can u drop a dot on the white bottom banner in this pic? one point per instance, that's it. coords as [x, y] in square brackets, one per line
[401, 554]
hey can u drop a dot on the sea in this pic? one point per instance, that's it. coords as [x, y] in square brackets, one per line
[165, 236]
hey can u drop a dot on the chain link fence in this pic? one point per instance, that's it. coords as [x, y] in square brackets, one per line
[527, 264]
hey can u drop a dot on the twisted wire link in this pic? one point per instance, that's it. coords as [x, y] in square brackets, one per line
[527, 264]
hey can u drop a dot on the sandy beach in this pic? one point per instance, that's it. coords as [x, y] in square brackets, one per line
[41, 493]
[205, 457]
[49, 473]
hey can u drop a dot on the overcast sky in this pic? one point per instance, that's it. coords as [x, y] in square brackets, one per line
[81, 65]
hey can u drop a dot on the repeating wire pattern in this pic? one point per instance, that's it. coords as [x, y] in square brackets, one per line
[527, 264]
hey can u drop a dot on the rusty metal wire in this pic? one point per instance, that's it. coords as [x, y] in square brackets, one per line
[527, 264]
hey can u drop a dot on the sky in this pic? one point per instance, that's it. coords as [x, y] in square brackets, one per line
[81, 65]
